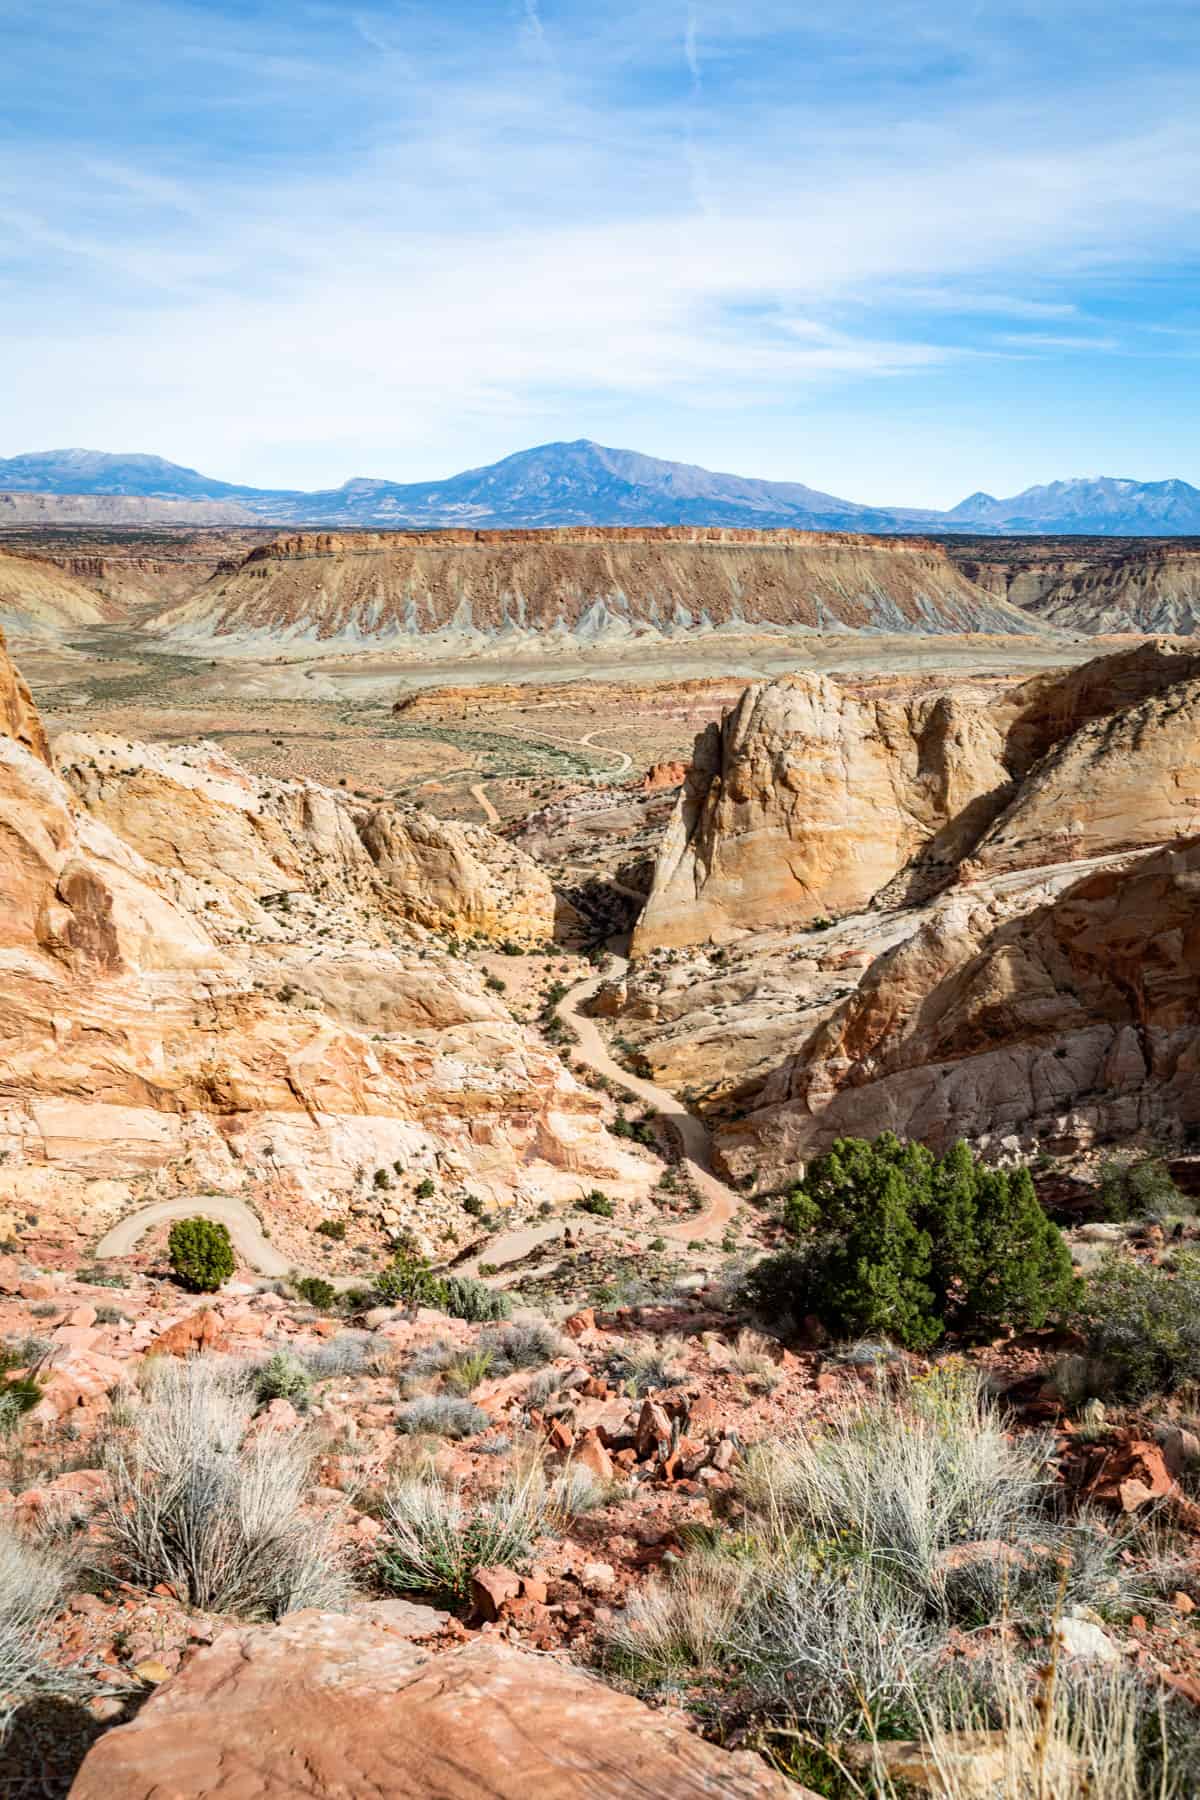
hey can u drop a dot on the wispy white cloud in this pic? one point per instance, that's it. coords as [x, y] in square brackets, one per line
[419, 222]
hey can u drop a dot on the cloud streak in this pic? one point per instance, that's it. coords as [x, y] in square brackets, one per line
[298, 245]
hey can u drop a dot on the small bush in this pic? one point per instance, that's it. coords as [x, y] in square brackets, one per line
[466, 1298]
[645, 1364]
[441, 1415]
[1138, 1187]
[472, 1204]
[466, 1372]
[213, 1513]
[201, 1254]
[1142, 1326]
[435, 1539]
[350, 1353]
[426, 1188]
[318, 1292]
[20, 1389]
[896, 1242]
[597, 1203]
[408, 1280]
[521, 1347]
[334, 1229]
[283, 1377]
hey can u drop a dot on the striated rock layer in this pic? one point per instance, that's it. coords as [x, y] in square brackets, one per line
[1093, 585]
[193, 962]
[339, 589]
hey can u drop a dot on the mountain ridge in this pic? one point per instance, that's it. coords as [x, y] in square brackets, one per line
[584, 483]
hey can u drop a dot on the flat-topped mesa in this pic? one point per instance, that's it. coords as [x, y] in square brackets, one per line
[810, 799]
[341, 589]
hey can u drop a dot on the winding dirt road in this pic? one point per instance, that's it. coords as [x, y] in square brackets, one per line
[692, 1132]
[257, 1253]
[244, 1229]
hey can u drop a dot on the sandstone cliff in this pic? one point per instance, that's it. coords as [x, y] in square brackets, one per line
[171, 1021]
[323, 588]
[1070, 1022]
[39, 599]
[812, 798]
[237, 841]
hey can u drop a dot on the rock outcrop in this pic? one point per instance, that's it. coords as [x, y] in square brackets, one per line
[191, 972]
[1050, 1020]
[1093, 585]
[234, 840]
[330, 1707]
[812, 799]
[439, 591]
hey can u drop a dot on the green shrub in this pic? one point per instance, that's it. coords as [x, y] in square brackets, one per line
[1142, 1325]
[283, 1378]
[426, 1188]
[471, 1203]
[408, 1280]
[597, 1203]
[201, 1254]
[1138, 1188]
[20, 1389]
[466, 1298]
[893, 1241]
[317, 1291]
[334, 1229]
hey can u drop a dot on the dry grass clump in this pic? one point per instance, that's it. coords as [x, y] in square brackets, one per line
[865, 1552]
[441, 1415]
[435, 1538]
[32, 1585]
[645, 1364]
[212, 1511]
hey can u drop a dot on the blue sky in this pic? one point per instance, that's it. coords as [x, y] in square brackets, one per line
[899, 250]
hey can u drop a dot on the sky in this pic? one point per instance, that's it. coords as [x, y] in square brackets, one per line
[899, 250]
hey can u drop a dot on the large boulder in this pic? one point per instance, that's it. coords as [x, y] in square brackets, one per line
[330, 1707]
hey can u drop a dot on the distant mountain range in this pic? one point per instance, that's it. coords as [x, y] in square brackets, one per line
[583, 483]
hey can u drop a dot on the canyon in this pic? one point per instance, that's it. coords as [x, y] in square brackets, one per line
[557, 985]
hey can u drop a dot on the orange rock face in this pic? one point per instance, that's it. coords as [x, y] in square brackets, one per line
[331, 1706]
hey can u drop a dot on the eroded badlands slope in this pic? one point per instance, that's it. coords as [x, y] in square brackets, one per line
[344, 590]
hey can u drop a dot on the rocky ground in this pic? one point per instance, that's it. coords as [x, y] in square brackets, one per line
[643, 1414]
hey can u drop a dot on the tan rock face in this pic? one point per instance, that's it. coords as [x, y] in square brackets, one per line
[808, 799]
[330, 1706]
[1074, 1019]
[231, 840]
[332, 588]
[192, 969]
[811, 799]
